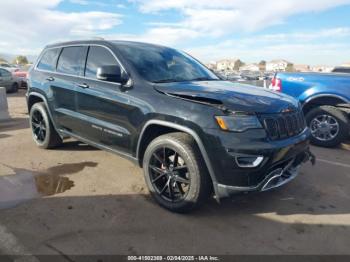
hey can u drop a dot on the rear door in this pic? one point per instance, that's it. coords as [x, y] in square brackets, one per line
[70, 67]
[102, 106]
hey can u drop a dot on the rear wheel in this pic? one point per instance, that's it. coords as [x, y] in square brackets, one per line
[175, 172]
[43, 132]
[329, 126]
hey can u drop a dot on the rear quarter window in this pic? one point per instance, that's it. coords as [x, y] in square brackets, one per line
[48, 60]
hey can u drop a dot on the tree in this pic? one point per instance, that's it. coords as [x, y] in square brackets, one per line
[238, 64]
[290, 67]
[262, 65]
[20, 60]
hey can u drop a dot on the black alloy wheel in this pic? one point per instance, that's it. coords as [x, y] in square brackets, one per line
[175, 172]
[43, 131]
[169, 174]
[38, 126]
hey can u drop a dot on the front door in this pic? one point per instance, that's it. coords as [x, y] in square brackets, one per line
[103, 107]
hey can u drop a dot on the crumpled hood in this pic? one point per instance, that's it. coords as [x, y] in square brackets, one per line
[234, 96]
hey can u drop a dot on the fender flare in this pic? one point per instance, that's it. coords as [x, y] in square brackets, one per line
[309, 99]
[47, 107]
[195, 137]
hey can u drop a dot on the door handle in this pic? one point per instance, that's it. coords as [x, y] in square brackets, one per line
[50, 79]
[83, 85]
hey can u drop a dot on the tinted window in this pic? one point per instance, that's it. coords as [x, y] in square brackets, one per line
[98, 56]
[49, 59]
[162, 64]
[341, 70]
[71, 60]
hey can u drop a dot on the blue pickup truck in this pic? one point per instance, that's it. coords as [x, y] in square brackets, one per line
[325, 98]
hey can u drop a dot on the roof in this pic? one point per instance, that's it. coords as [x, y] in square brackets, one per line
[96, 41]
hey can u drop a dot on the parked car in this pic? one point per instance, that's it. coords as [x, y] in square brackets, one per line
[8, 81]
[5, 65]
[341, 69]
[21, 78]
[234, 77]
[9, 67]
[250, 75]
[190, 131]
[326, 103]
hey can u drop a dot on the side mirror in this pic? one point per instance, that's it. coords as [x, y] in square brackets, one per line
[111, 73]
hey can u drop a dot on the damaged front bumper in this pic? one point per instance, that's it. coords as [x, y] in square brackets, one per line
[277, 176]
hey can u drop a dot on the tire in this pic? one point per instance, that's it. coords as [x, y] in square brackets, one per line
[14, 88]
[338, 120]
[189, 167]
[39, 121]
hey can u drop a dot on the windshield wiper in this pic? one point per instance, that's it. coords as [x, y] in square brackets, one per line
[165, 81]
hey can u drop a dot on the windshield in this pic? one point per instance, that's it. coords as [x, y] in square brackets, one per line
[161, 64]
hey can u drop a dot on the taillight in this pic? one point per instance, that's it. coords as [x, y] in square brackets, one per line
[276, 84]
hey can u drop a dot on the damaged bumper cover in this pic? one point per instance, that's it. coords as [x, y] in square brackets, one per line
[276, 177]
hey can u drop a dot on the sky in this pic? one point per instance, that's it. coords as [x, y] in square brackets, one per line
[315, 32]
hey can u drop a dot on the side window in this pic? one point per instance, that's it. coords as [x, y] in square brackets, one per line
[4, 73]
[48, 60]
[98, 56]
[71, 60]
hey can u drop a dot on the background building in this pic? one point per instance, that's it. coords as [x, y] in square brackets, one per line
[278, 65]
[250, 67]
[226, 64]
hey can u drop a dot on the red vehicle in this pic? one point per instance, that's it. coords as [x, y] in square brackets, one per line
[21, 77]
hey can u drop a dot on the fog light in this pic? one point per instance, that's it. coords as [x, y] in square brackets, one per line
[249, 161]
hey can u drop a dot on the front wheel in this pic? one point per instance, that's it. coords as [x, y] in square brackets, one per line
[175, 172]
[43, 132]
[329, 126]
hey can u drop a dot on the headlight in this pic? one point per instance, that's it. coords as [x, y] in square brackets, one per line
[238, 123]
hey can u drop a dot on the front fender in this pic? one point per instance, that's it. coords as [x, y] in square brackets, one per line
[319, 91]
[192, 133]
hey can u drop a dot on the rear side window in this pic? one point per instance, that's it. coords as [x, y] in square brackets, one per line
[48, 60]
[71, 60]
[98, 56]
